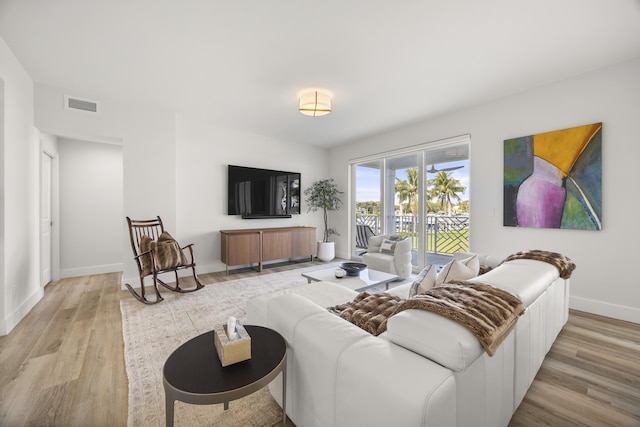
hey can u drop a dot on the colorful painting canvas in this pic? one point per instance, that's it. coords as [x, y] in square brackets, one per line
[554, 179]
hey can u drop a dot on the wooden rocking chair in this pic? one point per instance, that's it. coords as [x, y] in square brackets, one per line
[145, 238]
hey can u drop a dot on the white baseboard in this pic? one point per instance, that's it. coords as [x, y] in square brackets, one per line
[88, 271]
[210, 268]
[7, 324]
[620, 312]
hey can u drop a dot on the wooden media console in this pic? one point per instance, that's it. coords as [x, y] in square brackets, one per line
[257, 245]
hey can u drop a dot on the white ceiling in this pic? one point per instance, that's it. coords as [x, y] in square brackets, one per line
[387, 62]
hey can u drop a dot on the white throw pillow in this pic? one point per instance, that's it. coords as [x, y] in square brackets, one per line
[388, 247]
[464, 269]
[425, 281]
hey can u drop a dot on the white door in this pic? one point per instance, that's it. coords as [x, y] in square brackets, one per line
[45, 219]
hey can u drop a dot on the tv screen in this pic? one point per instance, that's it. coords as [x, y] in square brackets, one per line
[262, 193]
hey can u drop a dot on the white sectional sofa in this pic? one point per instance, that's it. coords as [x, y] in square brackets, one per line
[425, 370]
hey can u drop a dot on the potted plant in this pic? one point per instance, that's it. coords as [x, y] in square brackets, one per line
[324, 195]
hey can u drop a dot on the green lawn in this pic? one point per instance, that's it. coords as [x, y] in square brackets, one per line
[445, 242]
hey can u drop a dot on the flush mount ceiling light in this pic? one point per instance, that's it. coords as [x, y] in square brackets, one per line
[314, 102]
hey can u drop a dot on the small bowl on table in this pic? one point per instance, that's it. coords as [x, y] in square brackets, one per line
[353, 268]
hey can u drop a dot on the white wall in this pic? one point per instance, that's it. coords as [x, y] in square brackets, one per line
[603, 282]
[91, 212]
[204, 151]
[19, 241]
[147, 136]
[175, 167]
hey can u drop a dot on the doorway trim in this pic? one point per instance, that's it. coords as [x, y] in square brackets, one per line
[50, 151]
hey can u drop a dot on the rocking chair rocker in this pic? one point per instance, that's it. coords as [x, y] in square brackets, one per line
[146, 238]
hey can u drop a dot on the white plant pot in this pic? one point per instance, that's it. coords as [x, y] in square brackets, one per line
[326, 251]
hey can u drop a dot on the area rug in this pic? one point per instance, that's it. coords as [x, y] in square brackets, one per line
[152, 332]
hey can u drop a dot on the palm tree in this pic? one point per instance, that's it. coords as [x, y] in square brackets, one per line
[444, 189]
[408, 191]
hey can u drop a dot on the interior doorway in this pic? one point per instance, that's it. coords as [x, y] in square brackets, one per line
[91, 207]
[81, 207]
[46, 216]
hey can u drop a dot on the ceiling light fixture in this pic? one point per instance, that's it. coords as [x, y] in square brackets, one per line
[314, 102]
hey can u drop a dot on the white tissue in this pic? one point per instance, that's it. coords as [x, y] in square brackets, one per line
[231, 328]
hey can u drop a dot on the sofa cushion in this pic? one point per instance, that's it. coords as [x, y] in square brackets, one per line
[489, 261]
[381, 384]
[401, 291]
[463, 269]
[324, 294]
[435, 337]
[525, 278]
[380, 262]
[425, 281]
[316, 341]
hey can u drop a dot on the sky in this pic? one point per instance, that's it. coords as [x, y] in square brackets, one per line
[368, 180]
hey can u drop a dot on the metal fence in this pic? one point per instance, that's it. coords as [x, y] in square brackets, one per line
[445, 234]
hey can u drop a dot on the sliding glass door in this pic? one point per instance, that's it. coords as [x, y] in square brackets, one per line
[420, 193]
[368, 200]
[405, 198]
[447, 187]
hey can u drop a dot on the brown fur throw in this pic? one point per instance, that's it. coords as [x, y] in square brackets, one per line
[489, 313]
[166, 251]
[564, 265]
[369, 311]
[145, 259]
[484, 269]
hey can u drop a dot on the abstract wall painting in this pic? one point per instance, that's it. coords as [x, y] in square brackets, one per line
[554, 179]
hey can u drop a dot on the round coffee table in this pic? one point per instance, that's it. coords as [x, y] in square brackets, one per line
[193, 373]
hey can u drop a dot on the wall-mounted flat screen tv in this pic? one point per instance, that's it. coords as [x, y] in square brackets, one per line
[262, 193]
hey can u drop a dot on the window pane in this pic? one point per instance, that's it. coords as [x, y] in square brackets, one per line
[447, 191]
[404, 204]
[367, 185]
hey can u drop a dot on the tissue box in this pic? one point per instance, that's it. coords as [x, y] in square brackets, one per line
[232, 351]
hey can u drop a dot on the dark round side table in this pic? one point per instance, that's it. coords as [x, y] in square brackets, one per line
[193, 373]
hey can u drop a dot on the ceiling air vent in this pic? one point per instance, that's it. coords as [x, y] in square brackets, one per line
[77, 104]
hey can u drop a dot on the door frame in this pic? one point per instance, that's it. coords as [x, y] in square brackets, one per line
[48, 150]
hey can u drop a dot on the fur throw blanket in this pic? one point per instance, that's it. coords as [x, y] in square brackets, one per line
[564, 265]
[369, 311]
[489, 313]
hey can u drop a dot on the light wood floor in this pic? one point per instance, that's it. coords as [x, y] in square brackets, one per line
[63, 364]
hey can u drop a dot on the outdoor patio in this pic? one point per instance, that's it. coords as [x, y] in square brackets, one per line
[444, 234]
